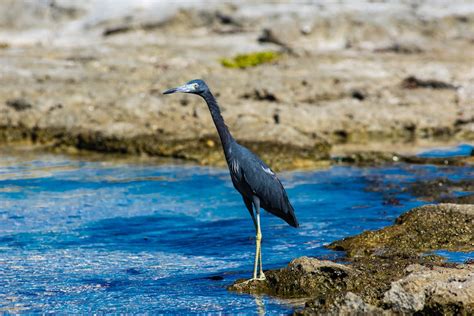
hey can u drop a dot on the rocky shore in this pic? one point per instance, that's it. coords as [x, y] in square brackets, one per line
[342, 74]
[388, 271]
[304, 85]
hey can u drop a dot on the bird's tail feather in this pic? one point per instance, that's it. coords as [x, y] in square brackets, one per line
[291, 217]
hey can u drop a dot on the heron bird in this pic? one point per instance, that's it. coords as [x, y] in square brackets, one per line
[255, 181]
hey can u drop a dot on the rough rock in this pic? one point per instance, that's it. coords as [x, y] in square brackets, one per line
[428, 290]
[429, 227]
[303, 277]
[439, 190]
[464, 199]
[349, 304]
[387, 271]
[443, 190]
[338, 87]
[366, 158]
[379, 157]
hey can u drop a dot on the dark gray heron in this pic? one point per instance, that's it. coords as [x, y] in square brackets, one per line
[255, 181]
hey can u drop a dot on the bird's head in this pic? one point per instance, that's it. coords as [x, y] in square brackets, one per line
[196, 86]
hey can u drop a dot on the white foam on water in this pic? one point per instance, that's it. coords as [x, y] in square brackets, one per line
[95, 278]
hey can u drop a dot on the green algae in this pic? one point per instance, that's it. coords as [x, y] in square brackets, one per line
[250, 59]
[375, 259]
[304, 277]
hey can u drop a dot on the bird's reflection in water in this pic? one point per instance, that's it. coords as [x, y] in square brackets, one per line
[259, 304]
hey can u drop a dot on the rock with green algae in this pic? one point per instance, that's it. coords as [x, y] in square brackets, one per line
[303, 277]
[333, 288]
[250, 59]
[368, 283]
[425, 228]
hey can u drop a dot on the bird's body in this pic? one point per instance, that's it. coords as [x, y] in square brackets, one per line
[253, 178]
[255, 181]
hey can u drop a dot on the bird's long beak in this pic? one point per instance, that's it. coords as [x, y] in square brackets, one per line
[184, 88]
[169, 91]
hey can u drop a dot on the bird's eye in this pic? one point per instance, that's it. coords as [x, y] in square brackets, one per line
[195, 85]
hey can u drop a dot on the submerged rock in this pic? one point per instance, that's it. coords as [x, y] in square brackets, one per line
[465, 199]
[381, 157]
[443, 190]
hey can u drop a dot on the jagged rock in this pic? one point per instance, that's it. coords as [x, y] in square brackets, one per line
[303, 277]
[425, 228]
[428, 290]
[349, 304]
[388, 270]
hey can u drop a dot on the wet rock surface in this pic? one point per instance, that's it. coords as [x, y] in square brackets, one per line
[303, 277]
[443, 190]
[375, 158]
[387, 271]
[439, 190]
[429, 227]
[89, 82]
[465, 199]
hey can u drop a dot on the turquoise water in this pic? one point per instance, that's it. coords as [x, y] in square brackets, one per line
[80, 236]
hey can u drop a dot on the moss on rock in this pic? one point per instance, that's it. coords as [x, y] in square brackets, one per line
[303, 277]
[376, 261]
[250, 59]
[430, 227]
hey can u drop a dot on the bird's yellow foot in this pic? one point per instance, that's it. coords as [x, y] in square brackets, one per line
[260, 278]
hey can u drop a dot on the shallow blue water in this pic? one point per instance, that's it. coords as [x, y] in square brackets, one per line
[81, 236]
[460, 150]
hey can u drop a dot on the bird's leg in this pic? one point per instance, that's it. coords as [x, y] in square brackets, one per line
[261, 276]
[257, 257]
[258, 242]
[258, 238]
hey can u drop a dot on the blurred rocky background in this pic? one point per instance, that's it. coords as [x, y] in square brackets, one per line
[310, 77]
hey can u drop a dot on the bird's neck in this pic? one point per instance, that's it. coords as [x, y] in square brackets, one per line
[222, 130]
